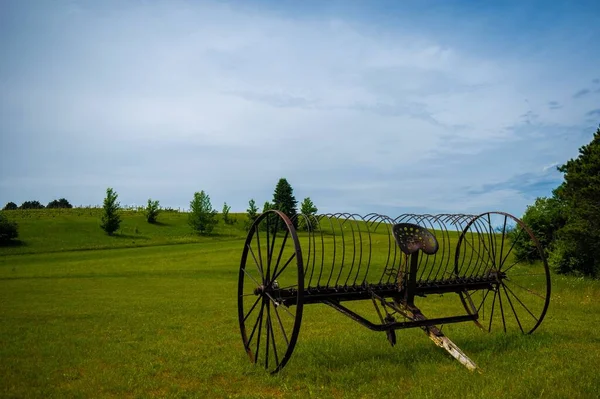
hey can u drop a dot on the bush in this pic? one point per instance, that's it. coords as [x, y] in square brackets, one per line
[11, 206]
[61, 203]
[152, 210]
[8, 229]
[111, 220]
[202, 217]
[31, 205]
[545, 217]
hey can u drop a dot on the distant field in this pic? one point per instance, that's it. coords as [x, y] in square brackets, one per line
[161, 321]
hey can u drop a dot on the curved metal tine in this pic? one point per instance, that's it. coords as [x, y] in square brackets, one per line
[475, 229]
[418, 220]
[360, 235]
[317, 220]
[366, 272]
[311, 247]
[476, 254]
[389, 267]
[343, 242]
[426, 219]
[344, 218]
[320, 217]
[443, 231]
[374, 220]
[461, 222]
[360, 241]
[441, 220]
[486, 236]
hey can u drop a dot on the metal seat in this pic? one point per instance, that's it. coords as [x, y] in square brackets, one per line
[411, 237]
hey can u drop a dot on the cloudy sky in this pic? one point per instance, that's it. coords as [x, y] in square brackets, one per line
[373, 106]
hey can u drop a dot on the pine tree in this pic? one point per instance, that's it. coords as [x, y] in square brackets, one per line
[152, 210]
[284, 200]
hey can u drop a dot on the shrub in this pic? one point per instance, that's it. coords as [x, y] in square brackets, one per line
[31, 205]
[8, 229]
[111, 220]
[545, 217]
[61, 203]
[202, 217]
[11, 206]
[152, 210]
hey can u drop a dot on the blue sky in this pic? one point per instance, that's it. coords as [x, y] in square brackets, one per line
[390, 107]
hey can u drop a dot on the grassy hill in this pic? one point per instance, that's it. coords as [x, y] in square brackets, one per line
[56, 230]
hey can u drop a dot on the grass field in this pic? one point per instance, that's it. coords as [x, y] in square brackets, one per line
[158, 320]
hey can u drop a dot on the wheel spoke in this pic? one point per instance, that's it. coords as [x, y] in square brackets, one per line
[252, 308]
[285, 237]
[277, 305]
[283, 268]
[270, 320]
[501, 308]
[511, 248]
[249, 275]
[281, 326]
[522, 304]
[259, 330]
[526, 289]
[259, 252]
[268, 334]
[258, 319]
[258, 267]
[492, 314]
[503, 236]
[513, 309]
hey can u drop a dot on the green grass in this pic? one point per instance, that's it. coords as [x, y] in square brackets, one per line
[161, 321]
[56, 230]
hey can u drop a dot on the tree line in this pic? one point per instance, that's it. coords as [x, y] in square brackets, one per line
[202, 217]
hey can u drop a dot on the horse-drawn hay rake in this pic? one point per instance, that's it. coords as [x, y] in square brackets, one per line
[335, 259]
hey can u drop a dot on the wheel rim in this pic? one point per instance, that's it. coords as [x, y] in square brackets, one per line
[270, 287]
[520, 296]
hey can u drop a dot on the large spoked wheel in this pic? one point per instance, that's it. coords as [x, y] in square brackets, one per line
[270, 289]
[520, 294]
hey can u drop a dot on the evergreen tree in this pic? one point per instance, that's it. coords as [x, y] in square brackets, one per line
[284, 200]
[202, 217]
[152, 210]
[308, 221]
[111, 220]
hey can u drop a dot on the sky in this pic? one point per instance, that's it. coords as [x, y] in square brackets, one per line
[374, 106]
